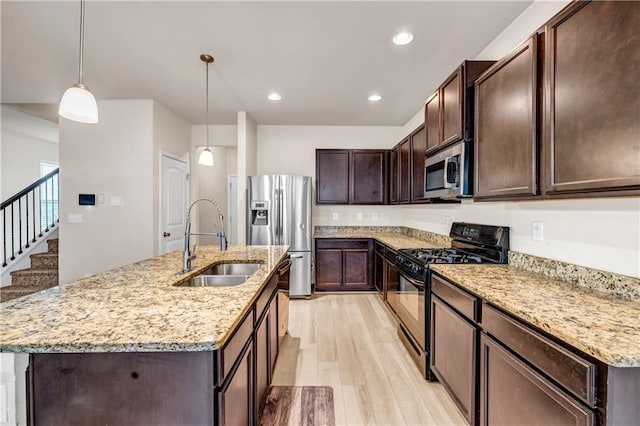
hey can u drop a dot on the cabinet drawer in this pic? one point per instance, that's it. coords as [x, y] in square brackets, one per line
[569, 370]
[265, 296]
[337, 243]
[232, 348]
[465, 303]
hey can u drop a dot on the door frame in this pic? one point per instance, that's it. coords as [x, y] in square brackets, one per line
[163, 153]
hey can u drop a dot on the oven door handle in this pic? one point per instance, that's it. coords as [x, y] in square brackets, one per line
[414, 282]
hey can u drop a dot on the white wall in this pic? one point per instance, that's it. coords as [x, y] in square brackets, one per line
[171, 134]
[600, 233]
[25, 142]
[114, 157]
[291, 150]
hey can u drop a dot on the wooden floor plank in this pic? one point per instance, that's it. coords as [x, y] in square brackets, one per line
[349, 342]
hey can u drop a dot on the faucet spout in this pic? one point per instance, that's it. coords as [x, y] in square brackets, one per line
[187, 255]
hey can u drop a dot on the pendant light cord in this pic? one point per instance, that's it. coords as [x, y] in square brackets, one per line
[81, 39]
[207, 117]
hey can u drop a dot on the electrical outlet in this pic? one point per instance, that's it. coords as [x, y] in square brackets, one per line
[334, 216]
[537, 230]
[447, 220]
[374, 216]
[358, 216]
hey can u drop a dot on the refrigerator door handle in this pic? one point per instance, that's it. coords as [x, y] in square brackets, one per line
[296, 256]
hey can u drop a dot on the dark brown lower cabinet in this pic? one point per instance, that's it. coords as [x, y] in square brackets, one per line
[344, 264]
[261, 344]
[378, 269]
[143, 389]
[235, 397]
[513, 393]
[454, 343]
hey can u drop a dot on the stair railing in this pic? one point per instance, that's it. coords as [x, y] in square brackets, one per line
[28, 215]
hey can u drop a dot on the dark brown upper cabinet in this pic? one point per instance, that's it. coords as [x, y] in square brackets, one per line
[404, 171]
[394, 183]
[451, 107]
[418, 152]
[332, 176]
[432, 122]
[506, 125]
[368, 177]
[351, 176]
[591, 136]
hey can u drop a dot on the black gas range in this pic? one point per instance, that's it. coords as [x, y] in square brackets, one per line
[470, 243]
[409, 295]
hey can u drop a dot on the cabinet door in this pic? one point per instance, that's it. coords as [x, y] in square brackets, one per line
[592, 91]
[235, 399]
[273, 335]
[262, 363]
[328, 269]
[368, 177]
[432, 122]
[506, 130]
[394, 169]
[405, 171]
[332, 176]
[379, 272]
[418, 152]
[391, 284]
[452, 105]
[355, 266]
[453, 356]
[513, 393]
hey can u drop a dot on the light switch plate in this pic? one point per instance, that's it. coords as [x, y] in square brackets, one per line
[115, 201]
[74, 218]
[358, 216]
[334, 216]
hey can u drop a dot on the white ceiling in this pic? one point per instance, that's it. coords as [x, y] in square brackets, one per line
[324, 58]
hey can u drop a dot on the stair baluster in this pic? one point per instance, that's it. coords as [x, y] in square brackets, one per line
[43, 207]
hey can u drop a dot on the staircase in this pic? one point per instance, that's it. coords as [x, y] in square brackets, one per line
[42, 274]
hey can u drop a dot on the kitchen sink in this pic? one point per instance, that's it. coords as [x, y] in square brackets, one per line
[215, 281]
[232, 269]
[223, 275]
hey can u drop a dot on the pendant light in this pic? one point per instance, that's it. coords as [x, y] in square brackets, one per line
[78, 103]
[206, 156]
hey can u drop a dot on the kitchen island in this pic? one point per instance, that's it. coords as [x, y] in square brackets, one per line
[132, 346]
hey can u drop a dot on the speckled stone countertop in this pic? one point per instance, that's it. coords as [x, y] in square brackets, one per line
[391, 237]
[137, 308]
[604, 326]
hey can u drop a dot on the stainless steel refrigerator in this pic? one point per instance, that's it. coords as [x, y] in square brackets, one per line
[279, 212]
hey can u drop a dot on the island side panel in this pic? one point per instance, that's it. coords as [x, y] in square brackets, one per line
[122, 388]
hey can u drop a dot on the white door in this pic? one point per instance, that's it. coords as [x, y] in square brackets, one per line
[232, 234]
[174, 196]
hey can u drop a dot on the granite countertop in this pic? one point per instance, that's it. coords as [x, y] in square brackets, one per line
[137, 308]
[603, 326]
[394, 240]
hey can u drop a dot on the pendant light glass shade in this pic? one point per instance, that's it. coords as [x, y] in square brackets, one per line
[78, 103]
[206, 157]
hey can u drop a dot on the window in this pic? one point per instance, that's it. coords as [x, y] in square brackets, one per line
[48, 195]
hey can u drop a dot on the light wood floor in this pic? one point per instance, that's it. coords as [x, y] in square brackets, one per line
[349, 342]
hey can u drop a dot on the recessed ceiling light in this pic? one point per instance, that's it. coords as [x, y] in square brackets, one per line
[274, 97]
[375, 98]
[402, 38]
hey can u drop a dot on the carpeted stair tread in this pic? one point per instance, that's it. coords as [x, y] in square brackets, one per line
[44, 261]
[14, 291]
[34, 277]
[52, 244]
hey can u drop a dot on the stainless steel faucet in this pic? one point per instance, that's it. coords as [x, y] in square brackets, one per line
[187, 255]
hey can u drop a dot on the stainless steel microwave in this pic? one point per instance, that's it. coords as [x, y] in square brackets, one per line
[447, 173]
